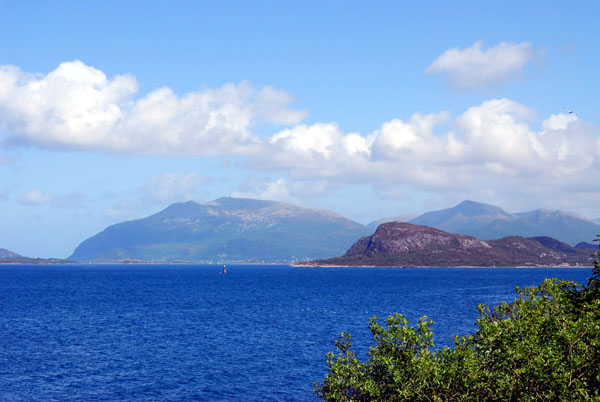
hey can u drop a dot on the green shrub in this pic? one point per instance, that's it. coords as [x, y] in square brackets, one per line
[543, 346]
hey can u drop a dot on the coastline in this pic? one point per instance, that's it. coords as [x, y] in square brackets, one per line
[437, 266]
[288, 264]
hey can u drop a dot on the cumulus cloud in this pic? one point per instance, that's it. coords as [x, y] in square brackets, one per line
[497, 132]
[492, 145]
[310, 146]
[489, 148]
[473, 68]
[267, 190]
[295, 190]
[34, 197]
[38, 197]
[78, 107]
[173, 187]
[397, 139]
[558, 121]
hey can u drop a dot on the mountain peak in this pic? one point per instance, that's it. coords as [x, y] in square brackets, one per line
[225, 229]
[469, 202]
[461, 217]
[6, 254]
[472, 208]
[235, 202]
[487, 221]
[188, 208]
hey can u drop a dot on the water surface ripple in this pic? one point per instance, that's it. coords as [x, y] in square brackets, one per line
[189, 333]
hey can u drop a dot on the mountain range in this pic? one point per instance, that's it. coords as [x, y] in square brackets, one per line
[225, 230]
[247, 230]
[402, 244]
[487, 222]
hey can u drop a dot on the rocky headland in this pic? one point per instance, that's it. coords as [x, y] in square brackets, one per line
[407, 245]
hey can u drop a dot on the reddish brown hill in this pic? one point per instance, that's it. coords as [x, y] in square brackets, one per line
[405, 244]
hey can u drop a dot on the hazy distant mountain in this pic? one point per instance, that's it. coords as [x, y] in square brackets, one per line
[490, 222]
[227, 229]
[408, 245]
[469, 218]
[398, 218]
[10, 257]
[555, 245]
[565, 226]
[587, 245]
[6, 254]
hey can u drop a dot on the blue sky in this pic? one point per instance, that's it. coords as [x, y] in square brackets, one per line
[112, 110]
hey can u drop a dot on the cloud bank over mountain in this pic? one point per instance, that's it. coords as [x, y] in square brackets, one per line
[495, 145]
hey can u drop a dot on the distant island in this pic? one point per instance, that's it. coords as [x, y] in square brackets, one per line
[251, 231]
[243, 230]
[400, 244]
[224, 230]
[10, 257]
[488, 222]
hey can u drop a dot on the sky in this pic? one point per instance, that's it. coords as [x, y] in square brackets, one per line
[113, 110]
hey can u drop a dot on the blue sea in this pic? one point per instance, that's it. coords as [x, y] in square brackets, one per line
[190, 333]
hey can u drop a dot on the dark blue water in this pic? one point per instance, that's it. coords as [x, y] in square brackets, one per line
[184, 333]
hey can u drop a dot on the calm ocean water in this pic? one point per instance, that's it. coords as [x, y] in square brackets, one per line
[185, 333]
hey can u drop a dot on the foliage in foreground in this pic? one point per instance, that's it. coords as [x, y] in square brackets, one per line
[543, 346]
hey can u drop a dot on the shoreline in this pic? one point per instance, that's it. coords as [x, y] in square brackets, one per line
[437, 266]
[294, 265]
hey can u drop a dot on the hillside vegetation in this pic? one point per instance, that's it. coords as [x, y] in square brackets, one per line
[543, 346]
[226, 229]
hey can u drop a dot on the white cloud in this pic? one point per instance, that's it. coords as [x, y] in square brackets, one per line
[558, 121]
[38, 197]
[270, 105]
[78, 107]
[497, 132]
[489, 149]
[173, 187]
[267, 190]
[295, 191]
[473, 68]
[74, 105]
[34, 197]
[399, 140]
[310, 143]
[492, 146]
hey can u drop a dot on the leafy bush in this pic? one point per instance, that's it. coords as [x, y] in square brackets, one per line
[543, 346]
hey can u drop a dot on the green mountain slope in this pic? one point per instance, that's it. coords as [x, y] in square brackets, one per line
[227, 229]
